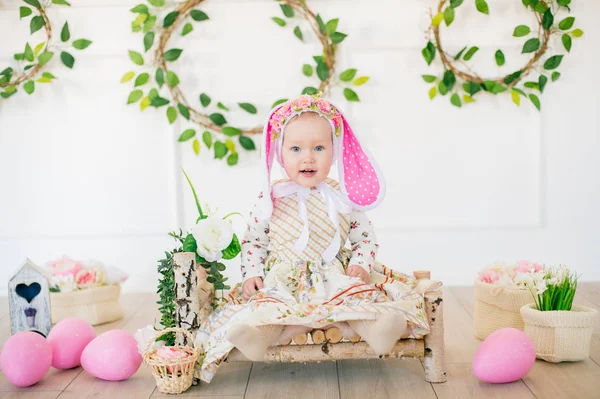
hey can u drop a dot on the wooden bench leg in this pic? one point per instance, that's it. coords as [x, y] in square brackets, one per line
[435, 361]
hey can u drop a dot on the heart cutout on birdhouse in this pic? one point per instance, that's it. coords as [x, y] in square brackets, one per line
[28, 292]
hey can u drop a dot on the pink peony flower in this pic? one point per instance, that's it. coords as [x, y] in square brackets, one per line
[525, 266]
[304, 101]
[277, 117]
[168, 352]
[64, 266]
[286, 109]
[275, 126]
[86, 278]
[489, 276]
[105, 274]
[337, 120]
[324, 106]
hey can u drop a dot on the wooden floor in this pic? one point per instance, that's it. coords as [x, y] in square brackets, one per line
[342, 379]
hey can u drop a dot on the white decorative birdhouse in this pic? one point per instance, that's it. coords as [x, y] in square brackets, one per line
[29, 300]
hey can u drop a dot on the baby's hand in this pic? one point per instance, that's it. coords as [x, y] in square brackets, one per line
[357, 271]
[250, 286]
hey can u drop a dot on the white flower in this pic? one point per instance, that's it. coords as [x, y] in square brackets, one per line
[114, 275]
[507, 282]
[212, 235]
[561, 274]
[64, 283]
[522, 279]
[111, 275]
[144, 335]
[541, 287]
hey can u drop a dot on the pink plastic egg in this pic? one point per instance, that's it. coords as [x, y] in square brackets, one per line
[112, 356]
[506, 355]
[68, 339]
[26, 358]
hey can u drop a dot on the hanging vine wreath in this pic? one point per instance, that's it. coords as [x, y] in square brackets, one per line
[217, 133]
[455, 78]
[33, 60]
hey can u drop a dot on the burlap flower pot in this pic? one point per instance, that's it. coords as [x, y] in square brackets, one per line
[560, 335]
[97, 305]
[497, 307]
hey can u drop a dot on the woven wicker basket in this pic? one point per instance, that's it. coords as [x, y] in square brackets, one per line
[172, 375]
[97, 305]
[497, 307]
[560, 335]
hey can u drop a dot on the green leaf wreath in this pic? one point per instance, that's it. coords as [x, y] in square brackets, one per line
[157, 84]
[32, 61]
[462, 84]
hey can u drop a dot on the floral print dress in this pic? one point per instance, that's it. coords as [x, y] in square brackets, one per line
[303, 289]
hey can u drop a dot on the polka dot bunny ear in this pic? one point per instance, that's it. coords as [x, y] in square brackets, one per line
[360, 178]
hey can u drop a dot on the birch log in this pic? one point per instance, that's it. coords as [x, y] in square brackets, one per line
[354, 338]
[333, 335]
[318, 336]
[435, 360]
[192, 294]
[300, 339]
[339, 351]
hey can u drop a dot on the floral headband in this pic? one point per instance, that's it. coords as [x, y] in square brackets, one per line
[361, 181]
[314, 103]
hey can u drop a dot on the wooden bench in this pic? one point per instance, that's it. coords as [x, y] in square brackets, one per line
[193, 295]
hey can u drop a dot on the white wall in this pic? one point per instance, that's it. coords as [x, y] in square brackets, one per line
[83, 174]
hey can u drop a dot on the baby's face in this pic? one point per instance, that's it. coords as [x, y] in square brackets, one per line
[307, 149]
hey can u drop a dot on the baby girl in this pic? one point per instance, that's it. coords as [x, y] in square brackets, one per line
[297, 272]
[293, 249]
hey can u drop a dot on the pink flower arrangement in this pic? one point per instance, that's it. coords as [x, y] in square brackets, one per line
[70, 275]
[510, 275]
[304, 103]
[525, 266]
[169, 352]
[489, 276]
[64, 266]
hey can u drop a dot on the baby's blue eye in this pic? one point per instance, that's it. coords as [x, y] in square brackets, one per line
[296, 149]
[319, 148]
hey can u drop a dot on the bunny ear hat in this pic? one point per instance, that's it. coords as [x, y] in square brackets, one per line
[362, 184]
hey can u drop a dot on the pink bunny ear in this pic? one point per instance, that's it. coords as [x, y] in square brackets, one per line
[266, 207]
[268, 144]
[267, 147]
[361, 179]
